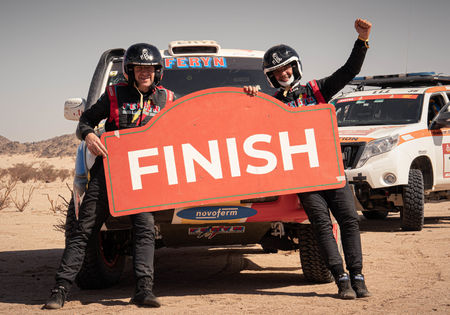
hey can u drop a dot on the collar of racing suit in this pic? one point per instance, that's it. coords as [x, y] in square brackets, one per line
[290, 88]
[141, 102]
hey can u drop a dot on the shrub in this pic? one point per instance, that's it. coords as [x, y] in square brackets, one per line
[25, 172]
[21, 203]
[6, 187]
[21, 171]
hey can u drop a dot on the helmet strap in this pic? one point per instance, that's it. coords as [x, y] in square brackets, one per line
[130, 74]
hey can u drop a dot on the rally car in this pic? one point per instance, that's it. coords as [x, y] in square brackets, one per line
[395, 142]
[276, 223]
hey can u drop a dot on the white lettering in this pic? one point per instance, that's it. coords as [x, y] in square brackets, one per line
[136, 171]
[171, 167]
[261, 154]
[213, 167]
[233, 157]
[287, 150]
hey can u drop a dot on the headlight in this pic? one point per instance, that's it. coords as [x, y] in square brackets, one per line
[376, 147]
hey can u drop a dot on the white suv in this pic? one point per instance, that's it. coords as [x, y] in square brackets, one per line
[395, 145]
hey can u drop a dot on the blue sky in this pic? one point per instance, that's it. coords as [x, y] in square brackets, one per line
[49, 48]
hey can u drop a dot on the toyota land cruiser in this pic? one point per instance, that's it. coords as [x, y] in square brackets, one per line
[395, 143]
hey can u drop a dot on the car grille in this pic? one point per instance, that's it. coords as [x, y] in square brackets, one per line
[351, 152]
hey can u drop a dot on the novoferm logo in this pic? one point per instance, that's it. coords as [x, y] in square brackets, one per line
[216, 213]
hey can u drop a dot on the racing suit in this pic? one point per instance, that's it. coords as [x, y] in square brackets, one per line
[124, 107]
[339, 201]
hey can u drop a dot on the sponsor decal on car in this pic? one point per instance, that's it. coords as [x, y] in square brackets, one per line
[210, 231]
[376, 97]
[446, 157]
[216, 213]
[195, 62]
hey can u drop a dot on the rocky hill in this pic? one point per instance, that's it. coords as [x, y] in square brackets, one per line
[65, 145]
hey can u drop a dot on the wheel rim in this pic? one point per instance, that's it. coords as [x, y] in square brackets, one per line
[108, 252]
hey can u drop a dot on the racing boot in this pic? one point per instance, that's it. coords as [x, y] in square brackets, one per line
[345, 288]
[57, 298]
[359, 285]
[143, 295]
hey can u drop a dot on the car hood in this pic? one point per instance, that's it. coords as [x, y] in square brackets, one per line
[368, 133]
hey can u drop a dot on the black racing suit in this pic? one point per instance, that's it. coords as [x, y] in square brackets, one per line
[122, 106]
[339, 201]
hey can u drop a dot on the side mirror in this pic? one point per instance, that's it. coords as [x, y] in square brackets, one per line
[73, 108]
[442, 119]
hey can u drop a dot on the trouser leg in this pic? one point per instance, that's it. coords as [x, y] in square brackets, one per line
[143, 255]
[342, 207]
[92, 214]
[316, 208]
[144, 244]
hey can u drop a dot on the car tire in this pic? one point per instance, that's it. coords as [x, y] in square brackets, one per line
[313, 265]
[103, 264]
[375, 214]
[412, 214]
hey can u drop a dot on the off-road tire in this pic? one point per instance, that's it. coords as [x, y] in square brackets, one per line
[103, 264]
[313, 266]
[375, 214]
[412, 214]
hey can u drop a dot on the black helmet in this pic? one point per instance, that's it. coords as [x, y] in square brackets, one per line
[279, 56]
[144, 55]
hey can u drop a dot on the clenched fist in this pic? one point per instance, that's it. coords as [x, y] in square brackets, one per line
[363, 28]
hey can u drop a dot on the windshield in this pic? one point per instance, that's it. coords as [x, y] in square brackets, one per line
[186, 75]
[393, 109]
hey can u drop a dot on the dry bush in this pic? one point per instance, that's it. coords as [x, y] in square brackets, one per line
[46, 172]
[55, 207]
[22, 203]
[21, 171]
[64, 174]
[71, 192]
[6, 187]
[61, 210]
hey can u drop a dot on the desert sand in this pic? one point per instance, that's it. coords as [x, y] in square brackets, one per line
[407, 272]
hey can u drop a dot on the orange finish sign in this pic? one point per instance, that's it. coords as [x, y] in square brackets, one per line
[220, 145]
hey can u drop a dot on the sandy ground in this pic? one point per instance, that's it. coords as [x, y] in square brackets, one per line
[407, 272]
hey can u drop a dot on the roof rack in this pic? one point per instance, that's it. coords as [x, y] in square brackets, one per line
[194, 47]
[415, 79]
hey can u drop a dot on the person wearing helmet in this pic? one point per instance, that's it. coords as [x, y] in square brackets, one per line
[283, 69]
[124, 106]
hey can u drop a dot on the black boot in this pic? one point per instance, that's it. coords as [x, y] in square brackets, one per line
[57, 298]
[359, 285]
[345, 288]
[143, 295]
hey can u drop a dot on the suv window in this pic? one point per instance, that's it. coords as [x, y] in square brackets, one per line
[237, 73]
[436, 103]
[393, 109]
